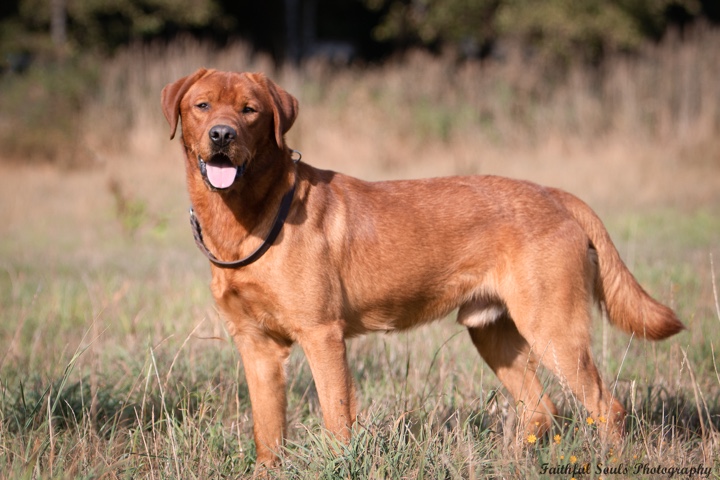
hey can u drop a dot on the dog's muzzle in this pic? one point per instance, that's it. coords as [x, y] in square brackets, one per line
[219, 172]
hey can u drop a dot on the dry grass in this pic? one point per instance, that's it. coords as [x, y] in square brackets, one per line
[114, 364]
[421, 116]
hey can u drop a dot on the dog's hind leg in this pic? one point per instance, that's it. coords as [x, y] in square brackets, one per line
[509, 355]
[567, 354]
[552, 313]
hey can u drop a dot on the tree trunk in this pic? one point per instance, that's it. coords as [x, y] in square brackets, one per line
[58, 26]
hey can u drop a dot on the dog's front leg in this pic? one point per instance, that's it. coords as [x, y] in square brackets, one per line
[264, 359]
[324, 347]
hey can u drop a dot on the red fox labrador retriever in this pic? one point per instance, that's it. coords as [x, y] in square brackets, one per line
[315, 257]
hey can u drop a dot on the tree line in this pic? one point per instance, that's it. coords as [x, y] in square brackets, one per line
[345, 30]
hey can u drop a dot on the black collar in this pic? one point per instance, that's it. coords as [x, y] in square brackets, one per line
[272, 235]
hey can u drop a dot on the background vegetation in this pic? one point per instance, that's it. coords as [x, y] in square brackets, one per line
[113, 361]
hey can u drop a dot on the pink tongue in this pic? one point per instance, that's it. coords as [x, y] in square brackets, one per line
[222, 175]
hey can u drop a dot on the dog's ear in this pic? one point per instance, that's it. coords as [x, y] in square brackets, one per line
[173, 93]
[285, 108]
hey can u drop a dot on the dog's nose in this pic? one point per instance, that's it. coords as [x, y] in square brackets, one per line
[222, 135]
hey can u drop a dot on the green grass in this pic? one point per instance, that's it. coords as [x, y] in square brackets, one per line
[123, 370]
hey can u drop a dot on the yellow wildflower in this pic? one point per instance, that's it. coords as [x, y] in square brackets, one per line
[557, 438]
[590, 421]
[573, 459]
[531, 438]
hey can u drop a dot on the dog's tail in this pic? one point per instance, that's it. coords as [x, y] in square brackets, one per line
[629, 306]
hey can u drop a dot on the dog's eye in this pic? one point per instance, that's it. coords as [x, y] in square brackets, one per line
[203, 105]
[248, 109]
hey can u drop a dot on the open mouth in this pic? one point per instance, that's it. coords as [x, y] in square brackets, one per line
[219, 171]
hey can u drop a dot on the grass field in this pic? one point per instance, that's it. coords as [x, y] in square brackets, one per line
[114, 363]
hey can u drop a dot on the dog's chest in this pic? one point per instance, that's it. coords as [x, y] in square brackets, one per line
[246, 303]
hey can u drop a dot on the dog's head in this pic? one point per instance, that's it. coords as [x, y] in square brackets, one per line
[228, 120]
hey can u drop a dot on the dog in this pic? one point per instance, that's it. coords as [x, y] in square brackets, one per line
[314, 257]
